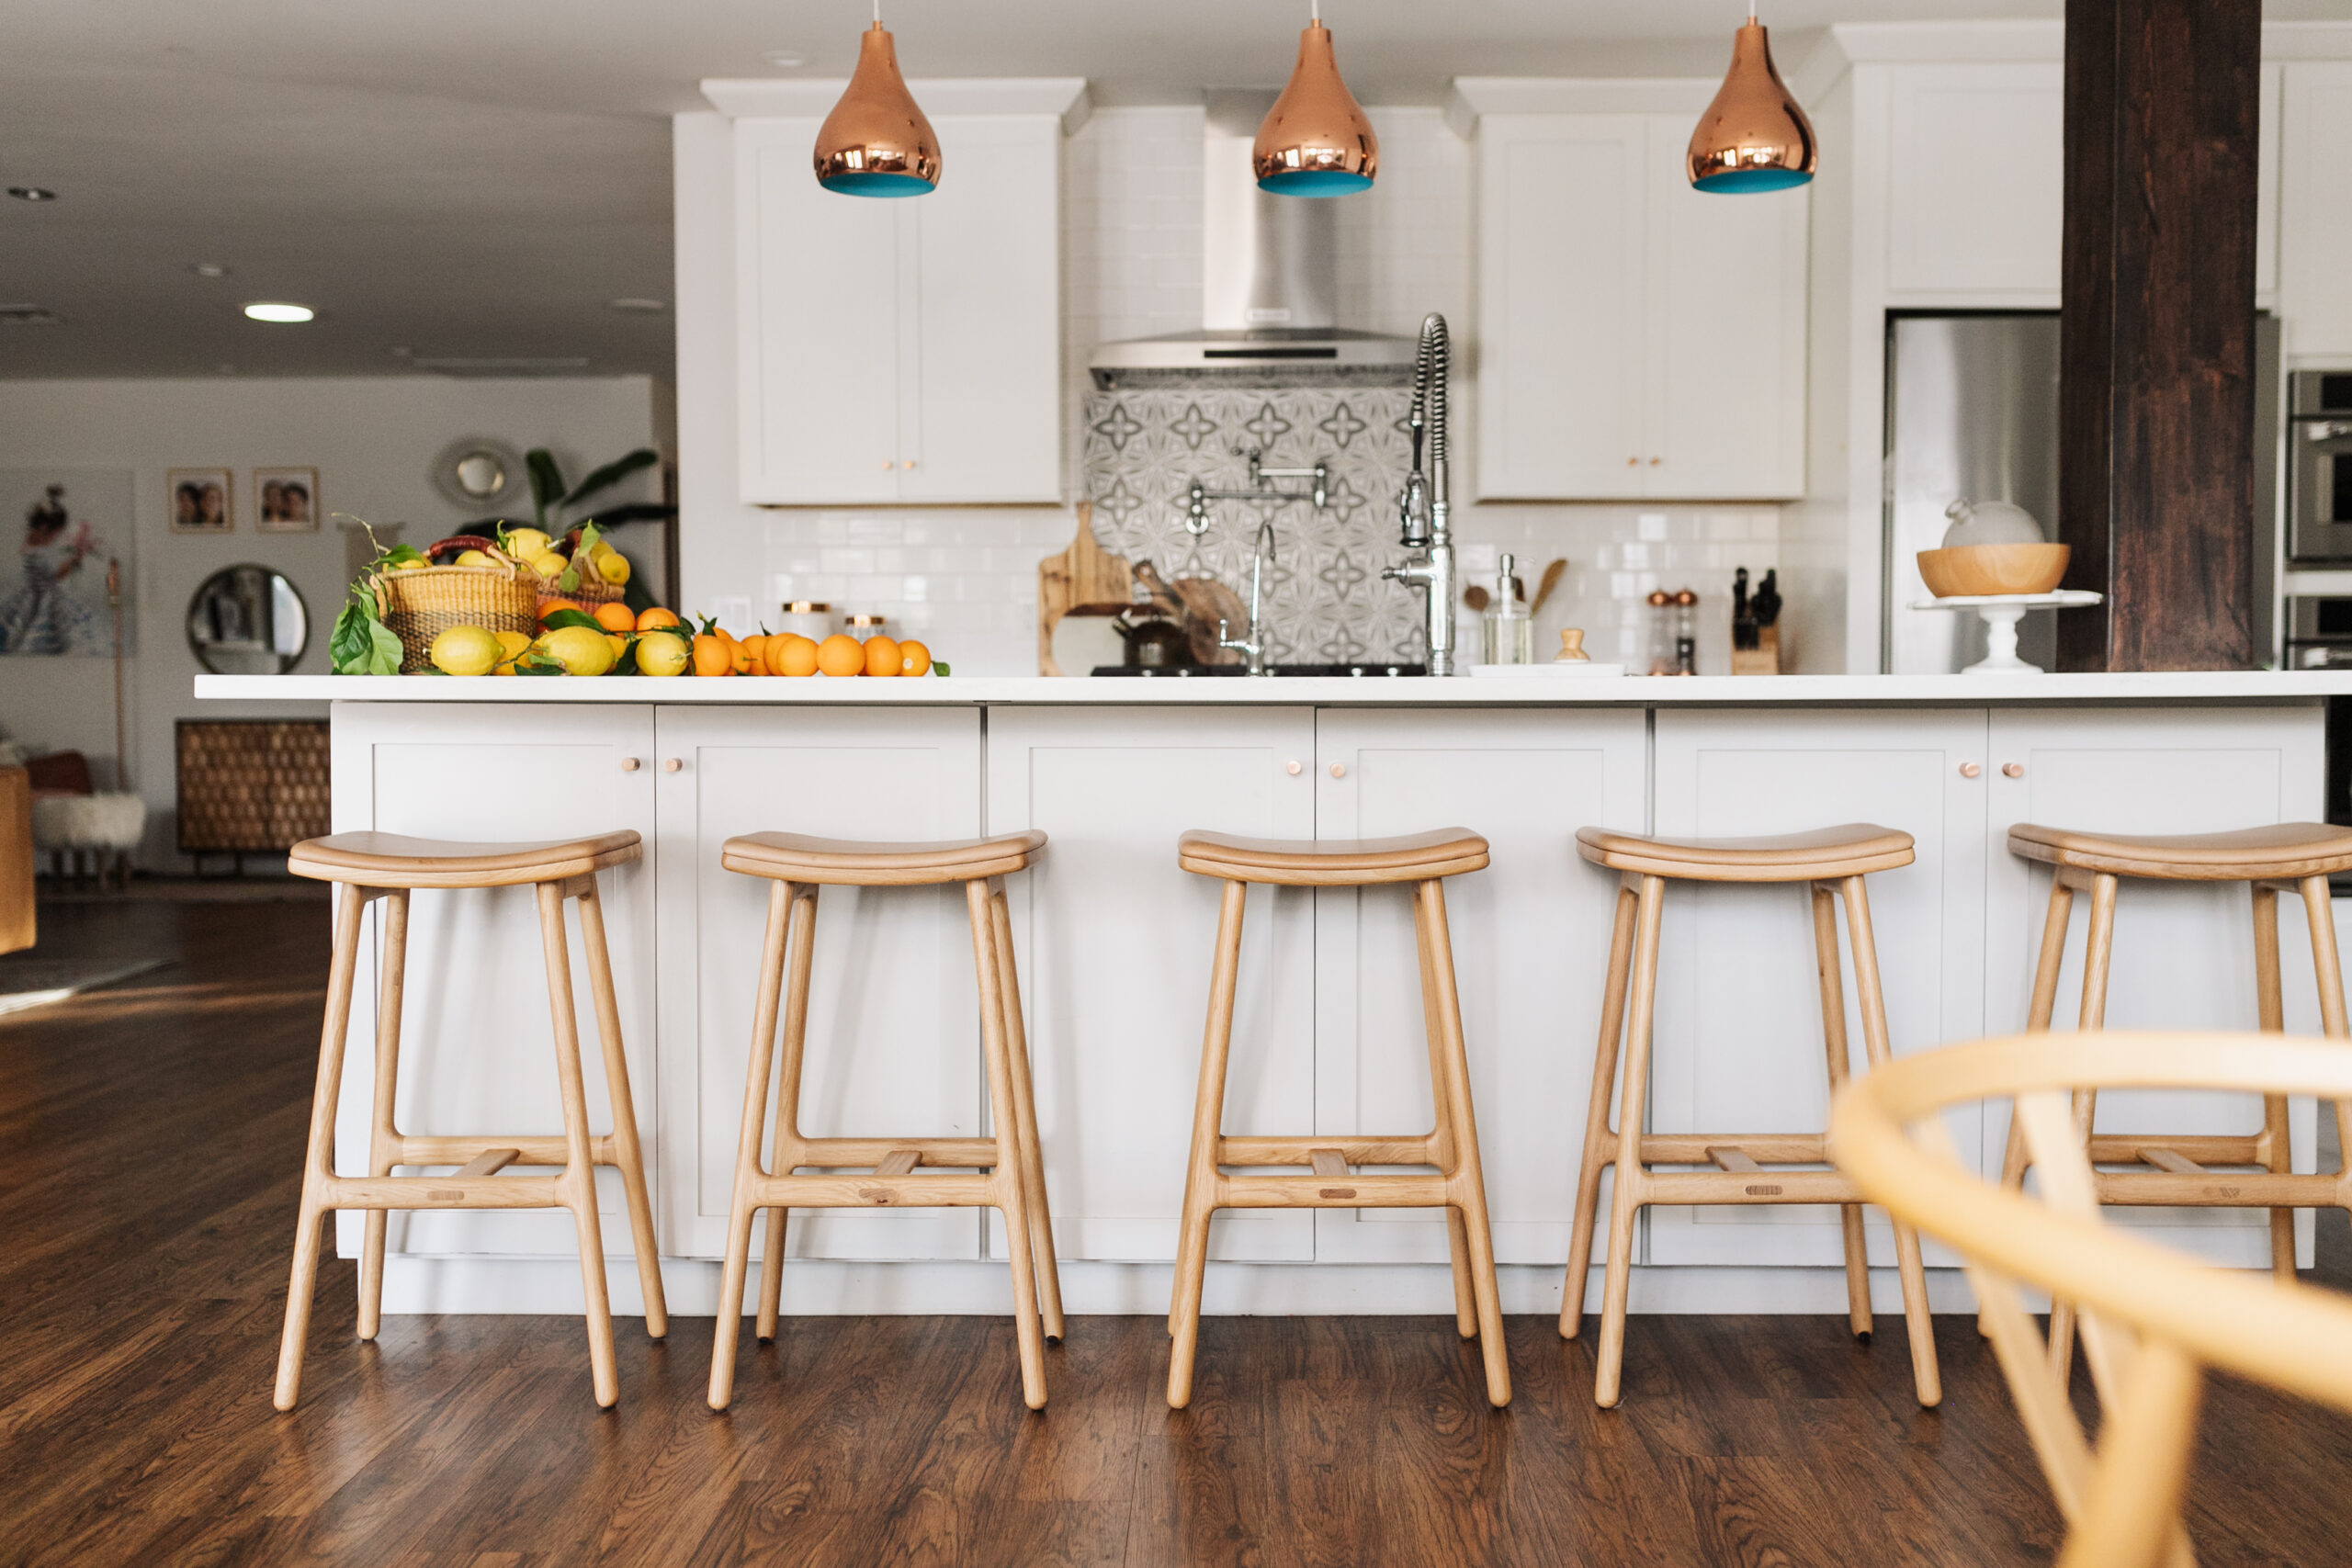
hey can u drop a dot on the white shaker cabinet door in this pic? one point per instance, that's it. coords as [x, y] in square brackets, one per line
[2315, 207]
[893, 1039]
[1530, 948]
[1117, 944]
[1740, 1044]
[2184, 951]
[821, 327]
[1562, 287]
[1974, 209]
[477, 1046]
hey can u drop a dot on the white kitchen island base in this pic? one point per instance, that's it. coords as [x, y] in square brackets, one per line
[1114, 940]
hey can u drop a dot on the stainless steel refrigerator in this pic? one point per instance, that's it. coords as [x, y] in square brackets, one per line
[1971, 415]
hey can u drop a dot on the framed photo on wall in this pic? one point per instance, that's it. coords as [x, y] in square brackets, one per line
[286, 501]
[201, 501]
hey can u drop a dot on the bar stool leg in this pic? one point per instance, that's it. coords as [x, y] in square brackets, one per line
[1201, 1172]
[1630, 1173]
[384, 1138]
[2037, 1021]
[1833, 1034]
[1009, 1178]
[318, 1159]
[2270, 1006]
[785, 1157]
[1925, 1377]
[761, 1065]
[1600, 1147]
[579, 1179]
[1442, 1135]
[2097, 949]
[1033, 1157]
[628, 1153]
[1466, 1179]
[2319, 911]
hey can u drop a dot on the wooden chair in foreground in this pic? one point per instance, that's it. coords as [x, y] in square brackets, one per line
[2174, 1169]
[1007, 1172]
[387, 866]
[1423, 861]
[2151, 1320]
[1833, 863]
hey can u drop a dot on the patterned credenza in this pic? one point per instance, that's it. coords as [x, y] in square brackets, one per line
[250, 786]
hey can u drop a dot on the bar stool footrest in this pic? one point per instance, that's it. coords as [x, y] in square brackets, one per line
[443, 1193]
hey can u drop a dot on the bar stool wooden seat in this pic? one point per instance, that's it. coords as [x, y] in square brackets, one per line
[2177, 1169]
[387, 866]
[1834, 861]
[1010, 1166]
[1423, 859]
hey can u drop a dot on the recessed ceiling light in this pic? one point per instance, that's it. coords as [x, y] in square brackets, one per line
[632, 305]
[785, 58]
[276, 310]
[207, 269]
[31, 193]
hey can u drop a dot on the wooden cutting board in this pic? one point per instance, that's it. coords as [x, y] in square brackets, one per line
[1085, 573]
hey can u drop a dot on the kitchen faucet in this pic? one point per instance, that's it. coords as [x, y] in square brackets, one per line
[1424, 506]
[1253, 647]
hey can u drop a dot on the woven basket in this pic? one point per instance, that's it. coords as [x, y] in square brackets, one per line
[420, 606]
[592, 589]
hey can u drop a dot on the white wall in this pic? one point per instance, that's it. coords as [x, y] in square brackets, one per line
[965, 577]
[373, 442]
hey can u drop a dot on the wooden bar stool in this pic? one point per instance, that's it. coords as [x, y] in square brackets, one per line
[1424, 859]
[387, 866]
[1834, 861]
[1011, 1165]
[2289, 857]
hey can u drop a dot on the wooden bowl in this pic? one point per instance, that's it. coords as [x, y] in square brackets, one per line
[1972, 571]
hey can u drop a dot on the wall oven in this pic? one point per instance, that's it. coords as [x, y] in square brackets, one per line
[2319, 468]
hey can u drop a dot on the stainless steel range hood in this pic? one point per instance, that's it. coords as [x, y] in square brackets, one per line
[1270, 286]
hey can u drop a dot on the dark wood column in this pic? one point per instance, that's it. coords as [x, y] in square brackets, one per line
[2156, 477]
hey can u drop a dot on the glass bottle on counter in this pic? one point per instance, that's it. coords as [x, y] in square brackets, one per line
[1510, 629]
[1686, 632]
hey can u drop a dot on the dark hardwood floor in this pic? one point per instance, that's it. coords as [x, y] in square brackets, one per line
[149, 1138]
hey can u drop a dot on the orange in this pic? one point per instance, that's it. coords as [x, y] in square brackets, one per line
[789, 653]
[549, 606]
[656, 616]
[712, 656]
[750, 655]
[616, 617]
[914, 659]
[840, 655]
[620, 645]
[881, 656]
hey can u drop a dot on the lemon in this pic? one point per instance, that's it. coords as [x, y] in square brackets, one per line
[549, 565]
[511, 646]
[582, 651]
[612, 566]
[663, 653]
[526, 544]
[472, 557]
[417, 565]
[465, 651]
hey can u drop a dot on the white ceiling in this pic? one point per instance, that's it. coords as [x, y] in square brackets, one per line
[477, 178]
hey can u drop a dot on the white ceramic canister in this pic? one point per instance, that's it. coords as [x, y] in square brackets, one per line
[808, 618]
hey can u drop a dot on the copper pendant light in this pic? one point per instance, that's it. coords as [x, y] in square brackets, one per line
[1753, 137]
[876, 142]
[1316, 139]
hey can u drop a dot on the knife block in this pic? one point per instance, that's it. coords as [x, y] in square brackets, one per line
[1764, 658]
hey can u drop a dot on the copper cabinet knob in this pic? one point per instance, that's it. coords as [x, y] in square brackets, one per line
[628, 764]
[672, 764]
[1970, 770]
[888, 465]
[2013, 769]
[1655, 461]
[908, 464]
[1291, 768]
[1338, 770]
[1633, 462]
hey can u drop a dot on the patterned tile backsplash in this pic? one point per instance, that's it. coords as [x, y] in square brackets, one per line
[1326, 601]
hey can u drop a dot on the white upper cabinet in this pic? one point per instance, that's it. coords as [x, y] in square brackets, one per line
[2317, 211]
[901, 351]
[1636, 337]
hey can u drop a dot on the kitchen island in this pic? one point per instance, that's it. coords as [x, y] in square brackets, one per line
[1114, 946]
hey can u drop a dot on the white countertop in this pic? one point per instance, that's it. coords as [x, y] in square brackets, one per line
[1704, 691]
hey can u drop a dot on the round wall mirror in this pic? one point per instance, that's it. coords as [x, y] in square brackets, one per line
[482, 476]
[247, 620]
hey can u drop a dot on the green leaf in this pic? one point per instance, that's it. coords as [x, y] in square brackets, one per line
[560, 619]
[362, 645]
[939, 667]
[589, 537]
[401, 554]
[612, 473]
[547, 480]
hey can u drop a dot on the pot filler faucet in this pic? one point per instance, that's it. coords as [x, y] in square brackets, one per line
[1424, 507]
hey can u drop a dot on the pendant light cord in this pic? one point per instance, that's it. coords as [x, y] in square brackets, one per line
[1315, 10]
[878, 11]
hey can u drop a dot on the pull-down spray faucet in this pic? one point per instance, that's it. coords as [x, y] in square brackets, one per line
[1424, 507]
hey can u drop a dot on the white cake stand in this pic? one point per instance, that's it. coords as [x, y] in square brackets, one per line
[2001, 613]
